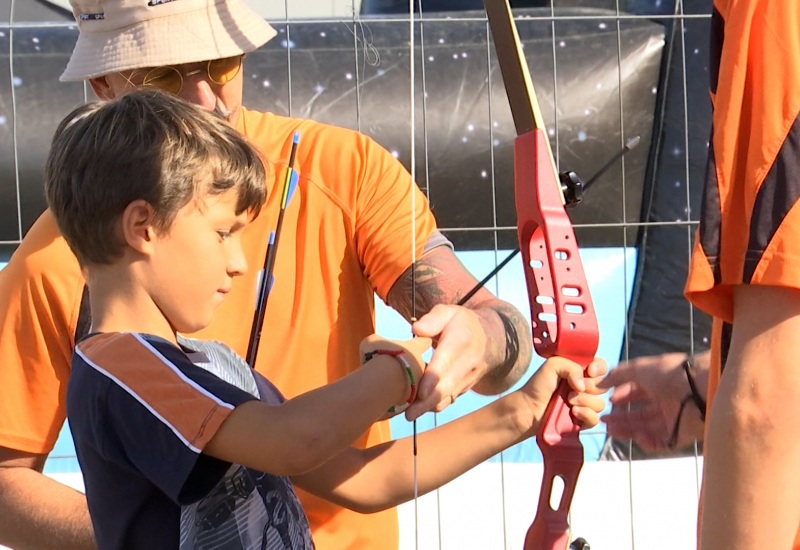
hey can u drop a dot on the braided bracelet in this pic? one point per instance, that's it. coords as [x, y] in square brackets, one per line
[673, 437]
[397, 354]
[696, 397]
[693, 395]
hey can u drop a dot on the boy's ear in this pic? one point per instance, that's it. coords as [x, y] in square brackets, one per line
[136, 225]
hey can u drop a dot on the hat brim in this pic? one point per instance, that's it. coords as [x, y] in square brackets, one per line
[214, 31]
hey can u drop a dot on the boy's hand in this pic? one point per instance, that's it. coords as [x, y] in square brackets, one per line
[585, 401]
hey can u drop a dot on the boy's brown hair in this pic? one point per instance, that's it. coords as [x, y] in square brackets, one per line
[145, 145]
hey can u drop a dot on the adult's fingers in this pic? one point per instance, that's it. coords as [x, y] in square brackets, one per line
[623, 373]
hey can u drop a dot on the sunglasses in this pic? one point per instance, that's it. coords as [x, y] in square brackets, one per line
[170, 79]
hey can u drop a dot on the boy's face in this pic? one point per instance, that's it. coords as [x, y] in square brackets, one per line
[192, 266]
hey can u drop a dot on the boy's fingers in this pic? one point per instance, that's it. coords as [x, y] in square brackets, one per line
[587, 400]
[593, 385]
[589, 381]
[570, 371]
[596, 368]
[586, 417]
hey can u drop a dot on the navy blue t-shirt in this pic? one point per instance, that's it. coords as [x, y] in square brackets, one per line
[141, 410]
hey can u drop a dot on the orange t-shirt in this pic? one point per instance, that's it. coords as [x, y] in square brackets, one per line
[749, 230]
[347, 233]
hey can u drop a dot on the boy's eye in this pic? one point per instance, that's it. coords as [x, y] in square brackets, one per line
[224, 234]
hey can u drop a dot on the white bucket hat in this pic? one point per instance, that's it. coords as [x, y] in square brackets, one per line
[119, 35]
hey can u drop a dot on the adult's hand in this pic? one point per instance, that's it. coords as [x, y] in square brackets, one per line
[458, 361]
[647, 397]
[484, 345]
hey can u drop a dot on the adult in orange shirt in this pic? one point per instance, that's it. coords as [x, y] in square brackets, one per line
[346, 235]
[745, 271]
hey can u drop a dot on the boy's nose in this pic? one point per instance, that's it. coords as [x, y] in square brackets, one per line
[237, 264]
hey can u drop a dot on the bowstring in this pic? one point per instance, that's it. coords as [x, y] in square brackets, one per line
[498, 266]
[426, 158]
[413, 172]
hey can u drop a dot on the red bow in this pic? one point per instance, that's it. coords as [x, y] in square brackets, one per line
[562, 315]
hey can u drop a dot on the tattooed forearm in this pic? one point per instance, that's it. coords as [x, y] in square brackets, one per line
[415, 294]
[440, 278]
[509, 348]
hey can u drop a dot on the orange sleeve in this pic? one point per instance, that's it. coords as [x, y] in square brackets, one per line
[751, 205]
[385, 228]
[40, 298]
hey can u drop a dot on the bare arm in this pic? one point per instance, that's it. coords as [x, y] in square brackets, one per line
[302, 433]
[39, 512]
[373, 479]
[751, 494]
[484, 346]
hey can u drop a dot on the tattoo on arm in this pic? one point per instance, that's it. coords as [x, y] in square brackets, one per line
[509, 353]
[511, 341]
[440, 278]
[427, 285]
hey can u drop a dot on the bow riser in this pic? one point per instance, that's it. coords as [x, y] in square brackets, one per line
[563, 322]
[562, 314]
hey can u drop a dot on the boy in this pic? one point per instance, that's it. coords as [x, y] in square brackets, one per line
[180, 443]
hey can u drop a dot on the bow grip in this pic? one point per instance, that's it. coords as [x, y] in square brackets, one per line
[563, 322]
[562, 455]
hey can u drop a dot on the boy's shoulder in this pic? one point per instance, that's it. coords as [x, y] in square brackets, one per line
[222, 361]
[119, 353]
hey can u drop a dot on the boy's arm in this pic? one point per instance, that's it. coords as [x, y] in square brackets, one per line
[484, 346]
[302, 433]
[39, 512]
[751, 490]
[369, 480]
